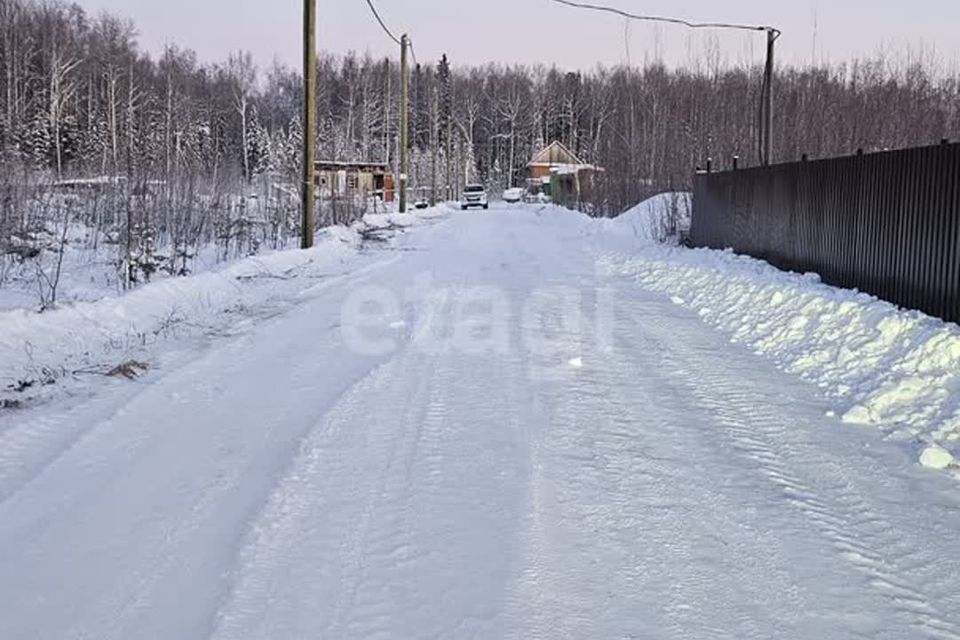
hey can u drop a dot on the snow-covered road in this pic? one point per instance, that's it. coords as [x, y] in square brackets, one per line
[477, 434]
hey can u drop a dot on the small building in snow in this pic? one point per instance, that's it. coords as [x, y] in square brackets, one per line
[337, 179]
[560, 174]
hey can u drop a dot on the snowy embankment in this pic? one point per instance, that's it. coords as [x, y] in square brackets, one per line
[883, 366]
[92, 337]
[659, 219]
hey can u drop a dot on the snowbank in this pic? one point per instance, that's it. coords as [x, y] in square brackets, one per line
[387, 220]
[38, 348]
[658, 219]
[44, 346]
[886, 367]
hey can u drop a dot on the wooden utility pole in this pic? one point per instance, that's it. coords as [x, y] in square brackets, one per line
[387, 107]
[434, 143]
[308, 213]
[404, 122]
[767, 133]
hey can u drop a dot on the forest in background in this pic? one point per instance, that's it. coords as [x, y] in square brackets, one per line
[192, 140]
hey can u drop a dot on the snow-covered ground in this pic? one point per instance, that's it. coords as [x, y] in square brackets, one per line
[660, 219]
[519, 423]
[100, 329]
[880, 365]
[89, 269]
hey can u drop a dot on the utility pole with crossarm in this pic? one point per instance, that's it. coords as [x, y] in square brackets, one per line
[404, 121]
[308, 213]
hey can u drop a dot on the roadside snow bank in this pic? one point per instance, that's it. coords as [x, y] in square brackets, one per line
[894, 369]
[40, 348]
[388, 220]
[658, 219]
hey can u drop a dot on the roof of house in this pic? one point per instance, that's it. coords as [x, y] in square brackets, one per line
[337, 165]
[556, 154]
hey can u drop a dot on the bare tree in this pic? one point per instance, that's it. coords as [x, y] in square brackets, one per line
[243, 77]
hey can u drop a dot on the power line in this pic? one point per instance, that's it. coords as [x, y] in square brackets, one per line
[765, 140]
[386, 29]
[412, 52]
[383, 25]
[686, 23]
[406, 46]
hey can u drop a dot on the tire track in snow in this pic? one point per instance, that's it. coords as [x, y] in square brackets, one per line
[167, 473]
[365, 534]
[622, 526]
[383, 537]
[859, 534]
[314, 527]
[37, 439]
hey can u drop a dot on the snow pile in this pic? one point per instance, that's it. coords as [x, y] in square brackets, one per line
[936, 457]
[388, 220]
[45, 346]
[382, 225]
[38, 348]
[893, 369]
[659, 219]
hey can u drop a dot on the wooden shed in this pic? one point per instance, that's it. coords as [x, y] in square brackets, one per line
[562, 175]
[335, 179]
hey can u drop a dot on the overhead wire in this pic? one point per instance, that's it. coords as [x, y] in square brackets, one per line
[413, 53]
[383, 25]
[678, 21]
[773, 31]
[387, 30]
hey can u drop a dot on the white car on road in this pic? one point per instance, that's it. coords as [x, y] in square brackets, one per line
[474, 195]
[514, 195]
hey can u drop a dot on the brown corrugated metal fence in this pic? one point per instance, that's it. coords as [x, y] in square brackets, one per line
[885, 223]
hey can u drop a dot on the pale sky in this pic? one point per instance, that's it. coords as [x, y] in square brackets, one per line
[531, 31]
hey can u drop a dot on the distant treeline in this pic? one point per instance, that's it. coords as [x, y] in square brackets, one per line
[77, 98]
